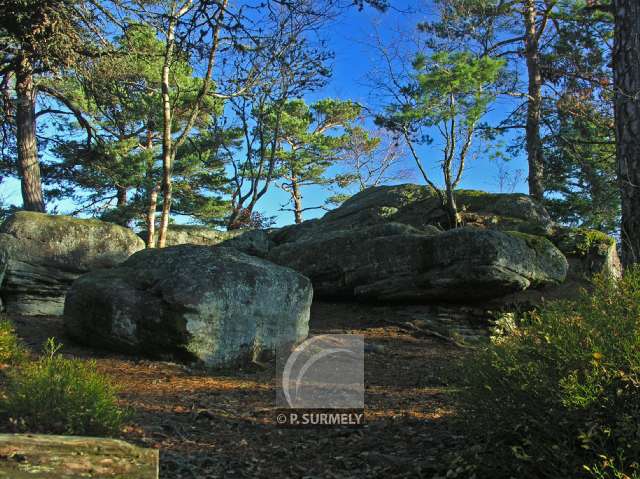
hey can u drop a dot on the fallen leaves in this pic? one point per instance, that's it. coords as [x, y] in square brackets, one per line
[222, 424]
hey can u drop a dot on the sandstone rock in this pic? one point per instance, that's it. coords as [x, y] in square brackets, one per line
[417, 206]
[334, 250]
[192, 234]
[41, 255]
[504, 211]
[399, 262]
[37, 456]
[589, 252]
[254, 242]
[212, 304]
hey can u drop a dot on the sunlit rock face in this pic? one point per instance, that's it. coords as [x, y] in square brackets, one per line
[417, 206]
[41, 255]
[215, 305]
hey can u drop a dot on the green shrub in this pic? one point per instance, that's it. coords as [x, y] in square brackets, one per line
[11, 350]
[56, 395]
[558, 396]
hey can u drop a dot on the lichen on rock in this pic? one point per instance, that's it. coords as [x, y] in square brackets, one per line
[215, 305]
[392, 242]
[41, 255]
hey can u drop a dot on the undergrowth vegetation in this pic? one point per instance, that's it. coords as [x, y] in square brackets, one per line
[557, 394]
[53, 394]
[11, 350]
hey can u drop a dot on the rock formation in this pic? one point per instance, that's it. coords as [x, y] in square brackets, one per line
[389, 243]
[254, 242]
[41, 255]
[213, 304]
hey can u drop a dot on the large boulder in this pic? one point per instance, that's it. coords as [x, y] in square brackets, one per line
[254, 242]
[399, 262]
[417, 206]
[41, 255]
[212, 304]
[588, 253]
[392, 242]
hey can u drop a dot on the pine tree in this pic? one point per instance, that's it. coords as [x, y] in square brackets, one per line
[450, 93]
[37, 38]
[312, 140]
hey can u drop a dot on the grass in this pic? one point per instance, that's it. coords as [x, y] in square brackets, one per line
[56, 395]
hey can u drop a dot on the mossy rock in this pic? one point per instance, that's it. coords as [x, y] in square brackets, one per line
[589, 252]
[34, 456]
[73, 244]
[419, 206]
[504, 211]
[582, 241]
[537, 243]
[193, 234]
[41, 255]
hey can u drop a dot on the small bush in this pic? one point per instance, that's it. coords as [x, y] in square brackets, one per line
[11, 350]
[558, 396]
[56, 395]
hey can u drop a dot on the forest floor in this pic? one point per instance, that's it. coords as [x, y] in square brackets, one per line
[222, 424]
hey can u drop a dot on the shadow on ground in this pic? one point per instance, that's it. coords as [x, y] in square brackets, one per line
[221, 424]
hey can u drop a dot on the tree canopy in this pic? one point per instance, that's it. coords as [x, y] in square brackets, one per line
[148, 112]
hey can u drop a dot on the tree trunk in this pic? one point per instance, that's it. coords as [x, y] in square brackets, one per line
[534, 104]
[234, 222]
[452, 209]
[153, 188]
[626, 67]
[121, 196]
[297, 200]
[151, 216]
[28, 163]
[167, 141]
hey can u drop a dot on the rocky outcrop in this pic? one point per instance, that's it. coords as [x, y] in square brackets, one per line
[254, 242]
[589, 252]
[41, 255]
[390, 243]
[398, 262]
[416, 206]
[192, 234]
[212, 304]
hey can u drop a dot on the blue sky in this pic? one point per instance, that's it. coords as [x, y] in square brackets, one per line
[352, 38]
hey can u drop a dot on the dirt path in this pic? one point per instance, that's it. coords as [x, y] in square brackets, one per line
[221, 424]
